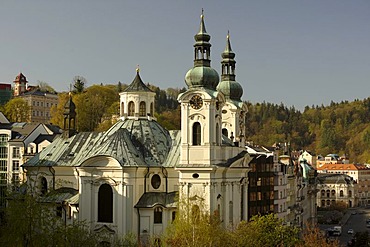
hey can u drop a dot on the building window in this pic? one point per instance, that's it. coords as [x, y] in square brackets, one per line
[59, 211]
[37, 103]
[341, 193]
[173, 215]
[16, 152]
[15, 165]
[217, 134]
[43, 186]
[151, 109]
[328, 193]
[42, 103]
[122, 108]
[156, 181]
[350, 193]
[142, 109]
[158, 215]
[131, 108]
[47, 104]
[3, 165]
[196, 134]
[333, 193]
[3, 139]
[105, 203]
[225, 132]
[3, 152]
[322, 193]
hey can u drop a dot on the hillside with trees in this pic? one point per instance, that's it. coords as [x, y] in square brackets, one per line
[342, 128]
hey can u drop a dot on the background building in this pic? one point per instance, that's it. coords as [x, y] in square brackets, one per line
[5, 93]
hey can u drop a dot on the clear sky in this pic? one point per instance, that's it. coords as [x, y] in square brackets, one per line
[295, 52]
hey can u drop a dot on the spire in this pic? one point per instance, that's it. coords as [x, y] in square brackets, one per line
[202, 75]
[69, 117]
[202, 46]
[228, 62]
[228, 86]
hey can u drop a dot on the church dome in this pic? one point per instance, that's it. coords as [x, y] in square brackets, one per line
[231, 89]
[202, 77]
[150, 139]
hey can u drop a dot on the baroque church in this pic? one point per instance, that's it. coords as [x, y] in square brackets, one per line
[130, 178]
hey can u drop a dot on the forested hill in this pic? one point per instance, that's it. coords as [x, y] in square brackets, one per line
[342, 128]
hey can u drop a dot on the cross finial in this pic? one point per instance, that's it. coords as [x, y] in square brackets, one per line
[202, 15]
[228, 34]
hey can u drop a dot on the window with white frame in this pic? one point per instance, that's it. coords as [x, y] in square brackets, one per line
[15, 165]
[3, 152]
[16, 152]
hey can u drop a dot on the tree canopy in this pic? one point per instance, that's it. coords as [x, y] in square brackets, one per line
[17, 110]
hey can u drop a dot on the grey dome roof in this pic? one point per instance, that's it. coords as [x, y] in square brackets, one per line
[231, 89]
[202, 77]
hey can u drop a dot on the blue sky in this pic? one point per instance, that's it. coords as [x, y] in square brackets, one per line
[295, 52]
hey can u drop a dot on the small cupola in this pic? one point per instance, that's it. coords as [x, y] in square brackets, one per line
[228, 86]
[137, 100]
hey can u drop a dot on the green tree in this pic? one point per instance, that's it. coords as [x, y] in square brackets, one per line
[79, 84]
[265, 231]
[17, 110]
[45, 87]
[31, 223]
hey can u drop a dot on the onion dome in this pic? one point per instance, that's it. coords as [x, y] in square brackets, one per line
[228, 86]
[202, 75]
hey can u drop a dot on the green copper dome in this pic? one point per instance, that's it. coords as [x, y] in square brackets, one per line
[231, 89]
[202, 75]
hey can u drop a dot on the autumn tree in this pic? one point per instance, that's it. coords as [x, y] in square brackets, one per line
[17, 110]
[313, 236]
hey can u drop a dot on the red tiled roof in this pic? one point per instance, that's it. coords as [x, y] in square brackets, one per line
[354, 167]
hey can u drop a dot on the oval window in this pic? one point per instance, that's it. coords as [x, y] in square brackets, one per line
[156, 181]
[195, 175]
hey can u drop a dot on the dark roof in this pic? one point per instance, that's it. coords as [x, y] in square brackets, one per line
[137, 85]
[59, 195]
[334, 178]
[152, 199]
[42, 138]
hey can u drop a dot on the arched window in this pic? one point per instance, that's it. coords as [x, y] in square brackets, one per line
[333, 193]
[341, 193]
[151, 109]
[142, 109]
[327, 203]
[322, 193]
[43, 186]
[131, 108]
[158, 215]
[122, 108]
[225, 132]
[350, 193]
[217, 134]
[322, 203]
[328, 193]
[196, 134]
[105, 203]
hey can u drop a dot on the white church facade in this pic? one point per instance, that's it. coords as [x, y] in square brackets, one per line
[131, 178]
